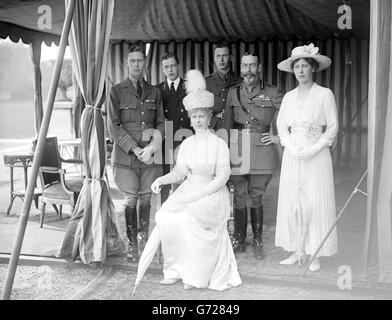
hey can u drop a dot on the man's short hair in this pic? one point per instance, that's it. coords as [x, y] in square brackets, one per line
[251, 53]
[168, 55]
[223, 44]
[136, 48]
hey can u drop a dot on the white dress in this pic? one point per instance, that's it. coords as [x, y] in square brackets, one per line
[193, 231]
[306, 203]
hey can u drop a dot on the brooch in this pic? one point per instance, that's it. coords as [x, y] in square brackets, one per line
[312, 131]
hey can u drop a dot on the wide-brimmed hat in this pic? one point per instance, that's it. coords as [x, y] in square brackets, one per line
[309, 51]
[197, 97]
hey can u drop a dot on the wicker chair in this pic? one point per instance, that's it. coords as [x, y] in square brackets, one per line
[58, 189]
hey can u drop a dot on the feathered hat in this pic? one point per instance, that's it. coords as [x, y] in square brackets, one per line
[309, 51]
[197, 95]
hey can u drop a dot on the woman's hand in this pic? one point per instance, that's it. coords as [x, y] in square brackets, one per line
[156, 186]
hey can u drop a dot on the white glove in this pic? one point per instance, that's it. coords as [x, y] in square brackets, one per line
[291, 147]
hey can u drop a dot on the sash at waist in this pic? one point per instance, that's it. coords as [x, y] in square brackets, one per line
[309, 131]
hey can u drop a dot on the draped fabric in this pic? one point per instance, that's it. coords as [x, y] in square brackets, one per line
[94, 226]
[199, 20]
[77, 107]
[35, 55]
[378, 243]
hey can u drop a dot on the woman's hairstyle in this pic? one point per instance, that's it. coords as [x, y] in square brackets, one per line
[206, 110]
[311, 61]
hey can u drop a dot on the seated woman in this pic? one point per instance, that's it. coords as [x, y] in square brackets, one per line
[192, 223]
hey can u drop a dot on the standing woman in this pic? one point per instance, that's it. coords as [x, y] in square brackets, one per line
[307, 125]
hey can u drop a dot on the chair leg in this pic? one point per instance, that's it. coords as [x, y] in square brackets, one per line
[42, 213]
[55, 209]
[61, 211]
[10, 206]
[36, 201]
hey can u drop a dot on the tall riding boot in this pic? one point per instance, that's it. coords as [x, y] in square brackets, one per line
[131, 223]
[256, 216]
[240, 224]
[144, 219]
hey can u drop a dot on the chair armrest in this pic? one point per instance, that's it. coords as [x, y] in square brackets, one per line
[72, 160]
[52, 170]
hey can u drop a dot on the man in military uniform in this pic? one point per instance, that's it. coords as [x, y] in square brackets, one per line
[136, 124]
[251, 108]
[177, 125]
[220, 82]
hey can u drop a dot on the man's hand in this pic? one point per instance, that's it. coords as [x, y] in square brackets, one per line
[268, 139]
[137, 151]
[146, 153]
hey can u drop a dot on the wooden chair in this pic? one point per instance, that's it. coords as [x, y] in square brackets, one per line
[58, 189]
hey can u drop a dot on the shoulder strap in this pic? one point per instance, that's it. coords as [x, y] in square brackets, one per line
[249, 114]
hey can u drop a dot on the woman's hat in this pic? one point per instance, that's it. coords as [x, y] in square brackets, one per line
[197, 95]
[309, 51]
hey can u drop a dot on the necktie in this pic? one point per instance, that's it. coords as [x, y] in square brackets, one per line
[172, 89]
[139, 88]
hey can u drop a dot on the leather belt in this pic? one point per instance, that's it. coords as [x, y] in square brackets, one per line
[253, 128]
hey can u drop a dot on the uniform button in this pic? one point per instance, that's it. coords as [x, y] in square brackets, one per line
[142, 112]
[223, 89]
[182, 110]
[166, 110]
[141, 102]
[223, 99]
[182, 119]
[143, 122]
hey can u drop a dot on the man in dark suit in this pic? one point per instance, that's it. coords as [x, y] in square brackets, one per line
[220, 82]
[177, 124]
[136, 123]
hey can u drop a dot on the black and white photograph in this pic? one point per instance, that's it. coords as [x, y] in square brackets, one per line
[196, 154]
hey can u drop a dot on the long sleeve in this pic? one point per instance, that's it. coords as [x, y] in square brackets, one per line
[331, 115]
[116, 131]
[228, 115]
[179, 172]
[222, 173]
[282, 126]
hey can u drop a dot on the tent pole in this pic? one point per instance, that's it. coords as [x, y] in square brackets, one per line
[38, 155]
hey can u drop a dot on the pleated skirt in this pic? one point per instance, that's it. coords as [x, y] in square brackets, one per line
[306, 204]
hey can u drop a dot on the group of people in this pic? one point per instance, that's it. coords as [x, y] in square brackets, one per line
[226, 129]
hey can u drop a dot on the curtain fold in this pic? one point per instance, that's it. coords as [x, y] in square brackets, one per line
[93, 232]
[35, 55]
[378, 236]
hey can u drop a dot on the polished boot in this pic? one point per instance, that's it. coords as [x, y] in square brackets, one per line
[131, 223]
[256, 216]
[144, 219]
[240, 223]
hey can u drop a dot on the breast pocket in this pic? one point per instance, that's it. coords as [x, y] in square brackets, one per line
[128, 112]
[239, 115]
[151, 111]
[264, 111]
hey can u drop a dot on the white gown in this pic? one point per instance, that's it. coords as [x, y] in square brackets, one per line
[306, 187]
[193, 230]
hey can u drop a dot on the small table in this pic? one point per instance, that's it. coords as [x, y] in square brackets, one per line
[19, 161]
